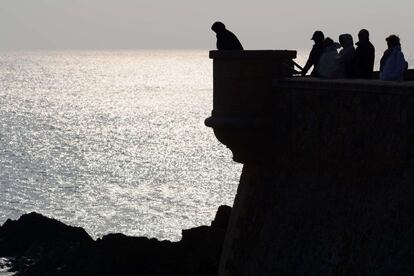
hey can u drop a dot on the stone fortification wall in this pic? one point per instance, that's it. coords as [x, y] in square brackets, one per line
[333, 125]
[326, 188]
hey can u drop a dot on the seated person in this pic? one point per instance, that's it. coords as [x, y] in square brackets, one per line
[226, 40]
[393, 64]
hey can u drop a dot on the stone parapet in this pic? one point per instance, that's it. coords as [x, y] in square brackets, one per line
[350, 124]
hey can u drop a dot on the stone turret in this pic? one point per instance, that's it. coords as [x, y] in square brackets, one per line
[242, 87]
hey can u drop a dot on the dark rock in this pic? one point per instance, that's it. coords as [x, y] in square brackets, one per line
[36, 242]
[40, 246]
[117, 254]
[202, 247]
[32, 230]
[222, 217]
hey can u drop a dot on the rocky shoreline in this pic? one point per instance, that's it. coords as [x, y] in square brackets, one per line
[41, 246]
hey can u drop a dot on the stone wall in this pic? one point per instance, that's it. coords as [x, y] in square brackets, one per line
[325, 125]
[332, 192]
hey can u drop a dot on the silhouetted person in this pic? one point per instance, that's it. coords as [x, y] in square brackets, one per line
[315, 54]
[393, 64]
[364, 56]
[346, 56]
[328, 63]
[226, 40]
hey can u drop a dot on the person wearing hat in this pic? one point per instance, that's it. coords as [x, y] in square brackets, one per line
[226, 40]
[315, 54]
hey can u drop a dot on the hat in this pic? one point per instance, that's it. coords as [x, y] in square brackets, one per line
[317, 35]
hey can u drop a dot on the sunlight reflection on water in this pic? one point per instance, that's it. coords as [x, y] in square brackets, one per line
[112, 141]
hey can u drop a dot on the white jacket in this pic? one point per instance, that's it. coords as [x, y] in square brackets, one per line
[395, 65]
[328, 63]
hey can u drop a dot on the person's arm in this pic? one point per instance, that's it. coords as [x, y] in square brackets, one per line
[372, 60]
[310, 62]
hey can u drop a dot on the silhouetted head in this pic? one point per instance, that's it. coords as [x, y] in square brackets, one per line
[328, 42]
[318, 37]
[363, 35]
[393, 41]
[346, 40]
[218, 27]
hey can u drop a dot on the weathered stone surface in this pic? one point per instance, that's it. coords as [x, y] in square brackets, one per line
[304, 223]
[350, 125]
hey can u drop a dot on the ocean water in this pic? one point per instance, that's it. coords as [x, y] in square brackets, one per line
[4, 266]
[112, 141]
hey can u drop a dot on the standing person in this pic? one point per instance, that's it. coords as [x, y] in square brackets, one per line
[364, 56]
[393, 64]
[346, 56]
[315, 54]
[328, 63]
[226, 40]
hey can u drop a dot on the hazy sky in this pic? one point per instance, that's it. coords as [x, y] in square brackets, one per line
[176, 24]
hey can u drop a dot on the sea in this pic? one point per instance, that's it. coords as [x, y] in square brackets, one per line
[113, 141]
